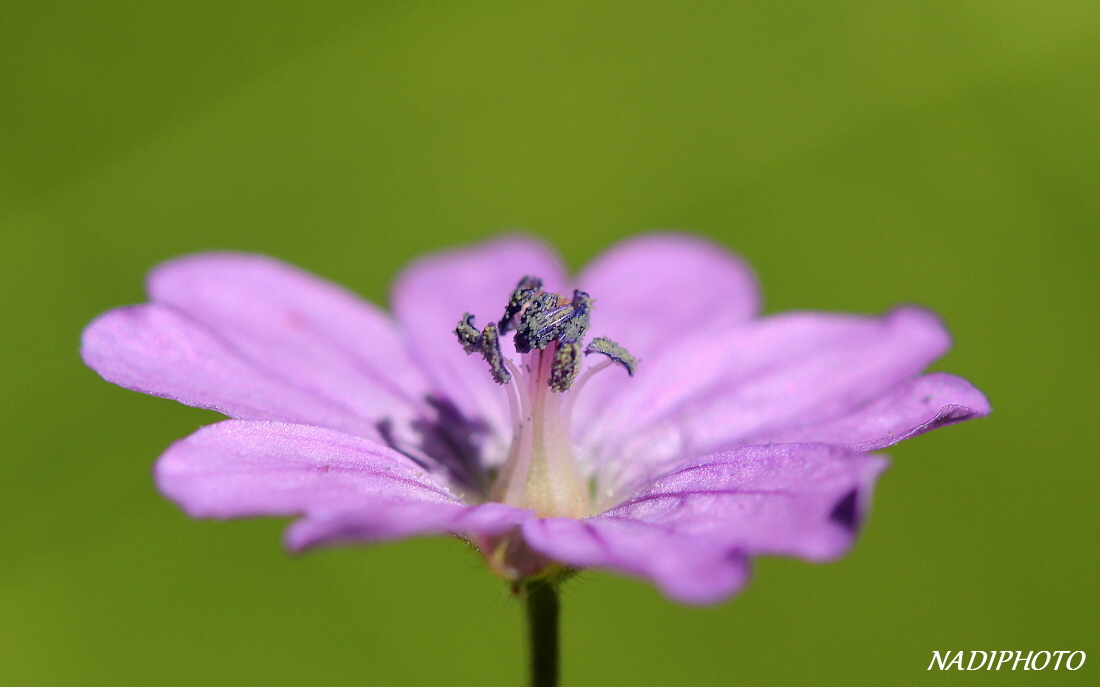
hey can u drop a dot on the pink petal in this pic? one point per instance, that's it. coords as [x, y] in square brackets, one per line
[244, 469]
[690, 531]
[780, 373]
[912, 407]
[651, 290]
[682, 569]
[160, 351]
[395, 520]
[306, 330]
[804, 500]
[431, 295]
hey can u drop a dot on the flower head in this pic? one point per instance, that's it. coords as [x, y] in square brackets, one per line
[678, 438]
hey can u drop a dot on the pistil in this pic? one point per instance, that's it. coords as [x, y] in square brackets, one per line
[541, 472]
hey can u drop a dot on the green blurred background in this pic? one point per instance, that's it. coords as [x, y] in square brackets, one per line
[859, 154]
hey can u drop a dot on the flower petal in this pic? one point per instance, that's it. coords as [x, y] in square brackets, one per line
[308, 331]
[780, 373]
[690, 531]
[913, 407]
[237, 469]
[804, 500]
[160, 351]
[390, 520]
[682, 569]
[346, 487]
[431, 295]
[653, 289]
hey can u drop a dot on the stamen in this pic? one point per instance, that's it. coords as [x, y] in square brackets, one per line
[468, 335]
[588, 374]
[527, 288]
[615, 354]
[522, 392]
[565, 367]
[613, 351]
[519, 404]
[548, 318]
[541, 471]
[576, 326]
[575, 393]
[533, 331]
[490, 350]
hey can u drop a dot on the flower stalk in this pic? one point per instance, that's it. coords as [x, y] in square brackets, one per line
[540, 597]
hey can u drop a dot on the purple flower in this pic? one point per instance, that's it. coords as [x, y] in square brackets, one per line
[680, 437]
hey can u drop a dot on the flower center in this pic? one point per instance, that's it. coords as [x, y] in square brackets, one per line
[541, 471]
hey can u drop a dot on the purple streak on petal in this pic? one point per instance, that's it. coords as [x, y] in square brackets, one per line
[654, 289]
[430, 297]
[776, 374]
[910, 408]
[160, 351]
[345, 487]
[683, 569]
[305, 329]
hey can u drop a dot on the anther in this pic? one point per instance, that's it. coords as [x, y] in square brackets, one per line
[613, 351]
[548, 318]
[526, 289]
[468, 335]
[533, 330]
[574, 328]
[566, 365]
[490, 350]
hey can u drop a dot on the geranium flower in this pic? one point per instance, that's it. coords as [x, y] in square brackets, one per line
[640, 417]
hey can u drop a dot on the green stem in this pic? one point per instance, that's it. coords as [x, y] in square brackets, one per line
[543, 610]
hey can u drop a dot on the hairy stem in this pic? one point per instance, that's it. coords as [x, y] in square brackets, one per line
[543, 610]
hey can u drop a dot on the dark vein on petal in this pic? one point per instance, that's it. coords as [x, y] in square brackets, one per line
[598, 538]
